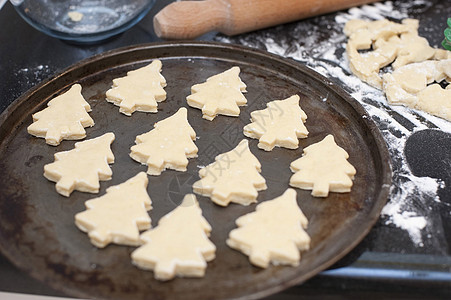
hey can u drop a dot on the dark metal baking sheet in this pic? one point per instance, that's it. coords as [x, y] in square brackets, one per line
[37, 231]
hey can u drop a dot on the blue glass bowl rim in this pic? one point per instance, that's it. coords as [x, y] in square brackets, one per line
[89, 37]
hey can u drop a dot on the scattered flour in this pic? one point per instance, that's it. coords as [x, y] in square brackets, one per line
[397, 208]
[27, 78]
[326, 55]
[32, 75]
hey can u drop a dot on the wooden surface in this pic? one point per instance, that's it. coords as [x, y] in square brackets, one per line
[190, 19]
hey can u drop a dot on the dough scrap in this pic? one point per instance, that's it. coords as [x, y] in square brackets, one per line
[233, 177]
[179, 245]
[410, 85]
[117, 216]
[168, 145]
[280, 124]
[220, 94]
[273, 233]
[140, 90]
[323, 167]
[65, 117]
[389, 42]
[82, 167]
[75, 16]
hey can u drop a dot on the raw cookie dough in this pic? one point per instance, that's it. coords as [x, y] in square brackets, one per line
[323, 167]
[140, 90]
[389, 42]
[273, 233]
[64, 118]
[117, 216]
[411, 86]
[75, 16]
[280, 124]
[82, 167]
[220, 94]
[179, 245]
[168, 145]
[233, 177]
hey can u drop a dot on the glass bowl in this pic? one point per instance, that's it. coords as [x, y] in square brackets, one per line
[82, 21]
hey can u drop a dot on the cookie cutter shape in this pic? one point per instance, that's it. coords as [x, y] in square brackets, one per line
[413, 86]
[219, 94]
[82, 167]
[386, 42]
[65, 117]
[274, 232]
[168, 145]
[179, 245]
[234, 176]
[119, 215]
[140, 90]
[323, 168]
[280, 124]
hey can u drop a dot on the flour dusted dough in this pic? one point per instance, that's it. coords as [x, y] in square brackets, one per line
[82, 167]
[388, 42]
[140, 90]
[117, 216]
[273, 233]
[179, 245]
[220, 94]
[410, 85]
[233, 177]
[323, 167]
[280, 124]
[168, 145]
[64, 118]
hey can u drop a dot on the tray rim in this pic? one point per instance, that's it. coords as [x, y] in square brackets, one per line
[386, 171]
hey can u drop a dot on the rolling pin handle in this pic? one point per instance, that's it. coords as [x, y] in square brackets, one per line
[189, 19]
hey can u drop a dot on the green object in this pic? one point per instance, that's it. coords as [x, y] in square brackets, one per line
[447, 41]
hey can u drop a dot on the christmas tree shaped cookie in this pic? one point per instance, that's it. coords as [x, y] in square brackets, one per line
[233, 177]
[65, 117]
[220, 94]
[117, 216]
[273, 233]
[323, 167]
[168, 145]
[140, 90]
[179, 245]
[82, 167]
[280, 124]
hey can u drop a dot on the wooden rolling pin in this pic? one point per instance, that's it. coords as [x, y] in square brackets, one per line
[190, 19]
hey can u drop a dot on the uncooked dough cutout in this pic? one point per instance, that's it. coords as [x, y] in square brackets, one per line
[179, 245]
[280, 124]
[119, 215]
[168, 145]
[140, 90]
[220, 94]
[323, 168]
[65, 117]
[275, 232]
[234, 176]
[82, 167]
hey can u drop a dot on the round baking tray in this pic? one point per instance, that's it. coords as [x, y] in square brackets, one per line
[37, 231]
